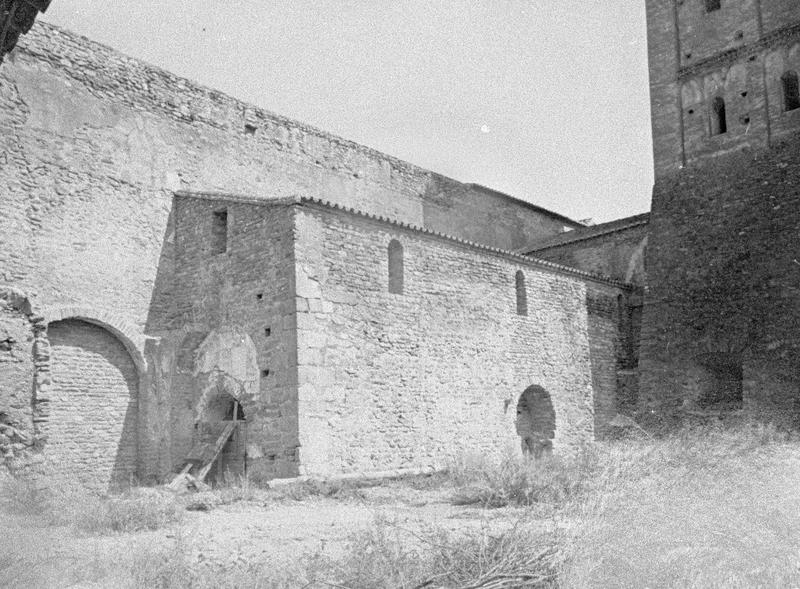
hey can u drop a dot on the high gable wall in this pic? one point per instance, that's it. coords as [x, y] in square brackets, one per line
[94, 144]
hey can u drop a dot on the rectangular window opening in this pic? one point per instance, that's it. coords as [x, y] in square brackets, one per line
[712, 5]
[219, 232]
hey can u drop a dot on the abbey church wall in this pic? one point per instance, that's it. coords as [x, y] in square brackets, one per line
[93, 147]
[357, 344]
[413, 348]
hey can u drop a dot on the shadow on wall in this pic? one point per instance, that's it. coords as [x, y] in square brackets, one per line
[536, 421]
[158, 313]
[92, 422]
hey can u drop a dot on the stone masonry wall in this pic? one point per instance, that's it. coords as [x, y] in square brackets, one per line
[737, 53]
[616, 249]
[24, 378]
[723, 275]
[93, 146]
[486, 216]
[389, 381]
[92, 429]
[232, 331]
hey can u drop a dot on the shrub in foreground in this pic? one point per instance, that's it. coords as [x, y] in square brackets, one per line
[521, 481]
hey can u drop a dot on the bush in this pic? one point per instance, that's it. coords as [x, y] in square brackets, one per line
[389, 556]
[139, 509]
[522, 481]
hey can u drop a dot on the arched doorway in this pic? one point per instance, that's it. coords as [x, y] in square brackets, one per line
[91, 426]
[536, 422]
[218, 412]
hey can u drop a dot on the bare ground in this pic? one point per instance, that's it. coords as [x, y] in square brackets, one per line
[279, 532]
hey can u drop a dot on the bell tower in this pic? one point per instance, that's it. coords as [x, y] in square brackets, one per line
[721, 323]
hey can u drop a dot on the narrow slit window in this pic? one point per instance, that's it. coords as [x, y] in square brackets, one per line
[395, 252]
[712, 5]
[791, 91]
[522, 295]
[719, 122]
[219, 232]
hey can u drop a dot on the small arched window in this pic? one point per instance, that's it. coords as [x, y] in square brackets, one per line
[791, 91]
[522, 295]
[395, 252]
[712, 5]
[719, 122]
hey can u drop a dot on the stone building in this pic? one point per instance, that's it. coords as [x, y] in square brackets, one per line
[721, 323]
[178, 267]
[175, 261]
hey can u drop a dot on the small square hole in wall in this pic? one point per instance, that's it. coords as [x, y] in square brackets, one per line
[249, 129]
[260, 296]
[265, 373]
[267, 332]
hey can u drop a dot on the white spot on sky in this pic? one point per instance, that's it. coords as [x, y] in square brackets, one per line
[485, 129]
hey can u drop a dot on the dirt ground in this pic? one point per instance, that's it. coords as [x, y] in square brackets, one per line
[280, 532]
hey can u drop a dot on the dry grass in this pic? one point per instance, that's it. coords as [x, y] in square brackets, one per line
[705, 507]
[523, 482]
[136, 510]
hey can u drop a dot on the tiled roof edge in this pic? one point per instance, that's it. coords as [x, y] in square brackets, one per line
[585, 234]
[322, 203]
[472, 244]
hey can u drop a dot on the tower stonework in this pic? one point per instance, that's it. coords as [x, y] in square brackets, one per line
[721, 327]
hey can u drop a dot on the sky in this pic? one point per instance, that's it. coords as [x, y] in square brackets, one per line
[546, 100]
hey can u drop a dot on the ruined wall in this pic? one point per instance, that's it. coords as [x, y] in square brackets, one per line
[723, 274]
[417, 377]
[231, 332]
[24, 378]
[616, 249]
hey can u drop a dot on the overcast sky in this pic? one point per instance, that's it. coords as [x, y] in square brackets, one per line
[546, 100]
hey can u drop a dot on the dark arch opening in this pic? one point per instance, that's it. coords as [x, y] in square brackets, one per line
[395, 256]
[536, 422]
[522, 295]
[719, 121]
[222, 408]
[791, 91]
[219, 412]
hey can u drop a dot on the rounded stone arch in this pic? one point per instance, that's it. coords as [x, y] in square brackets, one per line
[93, 406]
[536, 421]
[220, 390]
[117, 326]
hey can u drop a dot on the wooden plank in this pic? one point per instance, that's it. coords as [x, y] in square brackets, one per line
[226, 433]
